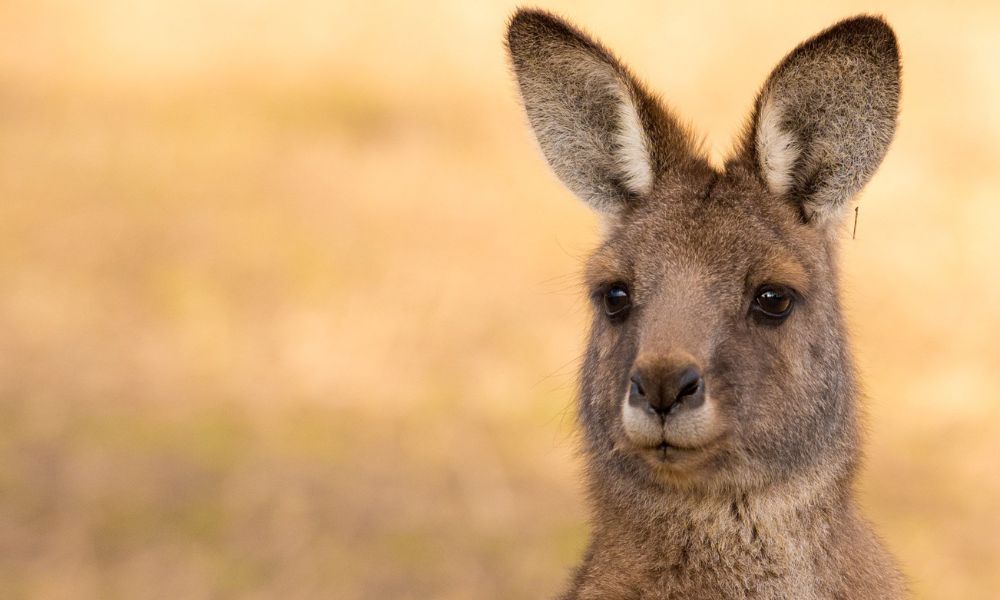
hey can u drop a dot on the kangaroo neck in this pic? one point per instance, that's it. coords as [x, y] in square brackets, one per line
[717, 545]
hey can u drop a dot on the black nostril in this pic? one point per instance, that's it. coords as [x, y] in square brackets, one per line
[660, 389]
[637, 382]
[689, 383]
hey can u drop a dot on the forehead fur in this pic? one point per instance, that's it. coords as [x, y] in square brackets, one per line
[725, 224]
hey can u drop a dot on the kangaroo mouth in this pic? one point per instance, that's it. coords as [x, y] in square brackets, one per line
[672, 456]
[673, 437]
[666, 451]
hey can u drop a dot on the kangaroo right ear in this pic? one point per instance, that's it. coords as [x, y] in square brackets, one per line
[604, 136]
[825, 117]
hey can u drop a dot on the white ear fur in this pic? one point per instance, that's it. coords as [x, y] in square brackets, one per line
[776, 148]
[633, 152]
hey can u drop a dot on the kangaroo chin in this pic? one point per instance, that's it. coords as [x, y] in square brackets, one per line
[718, 397]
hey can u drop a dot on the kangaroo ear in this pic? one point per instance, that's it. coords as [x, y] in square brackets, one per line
[825, 117]
[605, 137]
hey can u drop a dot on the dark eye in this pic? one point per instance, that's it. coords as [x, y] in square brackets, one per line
[616, 301]
[773, 301]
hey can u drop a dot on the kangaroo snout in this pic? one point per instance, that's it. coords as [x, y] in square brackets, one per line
[663, 386]
[667, 404]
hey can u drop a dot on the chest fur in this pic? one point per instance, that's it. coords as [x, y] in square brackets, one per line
[725, 556]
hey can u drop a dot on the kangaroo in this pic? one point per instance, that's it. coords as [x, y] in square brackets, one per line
[718, 400]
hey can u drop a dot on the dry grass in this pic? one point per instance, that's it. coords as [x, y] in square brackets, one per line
[288, 304]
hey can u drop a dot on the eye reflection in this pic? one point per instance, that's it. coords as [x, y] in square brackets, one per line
[616, 301]
[774, 301]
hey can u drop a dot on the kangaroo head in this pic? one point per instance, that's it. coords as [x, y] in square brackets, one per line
[717, 358]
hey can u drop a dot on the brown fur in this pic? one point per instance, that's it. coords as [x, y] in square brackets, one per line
[762, 505]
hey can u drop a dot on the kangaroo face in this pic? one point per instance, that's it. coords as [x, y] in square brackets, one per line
[717, 356]
[716, 349]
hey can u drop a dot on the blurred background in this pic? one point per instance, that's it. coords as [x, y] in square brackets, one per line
[289, 303]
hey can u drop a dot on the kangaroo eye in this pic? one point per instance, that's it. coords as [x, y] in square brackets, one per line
[773, 301]
[616, 301]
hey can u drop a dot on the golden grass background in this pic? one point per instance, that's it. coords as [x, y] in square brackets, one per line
[289, 308]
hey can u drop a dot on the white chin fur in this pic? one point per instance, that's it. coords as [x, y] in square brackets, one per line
[642, 428]
[686, 428]
[692, 428]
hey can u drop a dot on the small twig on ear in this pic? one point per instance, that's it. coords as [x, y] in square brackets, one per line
[853, 233]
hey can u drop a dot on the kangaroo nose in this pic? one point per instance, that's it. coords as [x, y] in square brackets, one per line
[662, 389]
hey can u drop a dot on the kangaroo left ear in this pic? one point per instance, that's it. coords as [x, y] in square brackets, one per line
[603, 134]
[825, 118]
